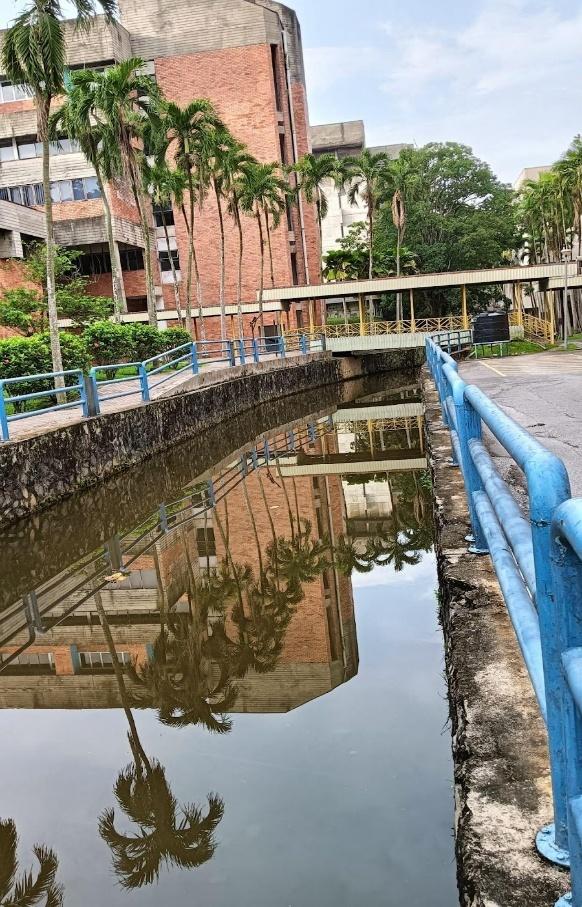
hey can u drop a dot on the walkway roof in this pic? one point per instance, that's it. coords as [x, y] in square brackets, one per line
[483, 277]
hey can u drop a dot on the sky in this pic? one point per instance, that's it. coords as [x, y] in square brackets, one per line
[502, 76]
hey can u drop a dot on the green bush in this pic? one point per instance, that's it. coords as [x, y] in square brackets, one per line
[174, 337]
[109, 343]
[146, 340]
[20, 356]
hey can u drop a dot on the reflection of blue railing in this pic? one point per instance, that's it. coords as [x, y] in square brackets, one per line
[105, 383]
[11, 404]
[540, 573]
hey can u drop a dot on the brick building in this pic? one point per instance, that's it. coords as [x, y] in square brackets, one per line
[243, 55]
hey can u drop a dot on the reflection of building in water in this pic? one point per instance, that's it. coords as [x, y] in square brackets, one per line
[71, 667]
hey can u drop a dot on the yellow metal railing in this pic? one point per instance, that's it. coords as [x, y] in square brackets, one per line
[385, 328]
[534, 327]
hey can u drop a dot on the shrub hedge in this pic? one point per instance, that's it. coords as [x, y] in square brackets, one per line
[101, 343]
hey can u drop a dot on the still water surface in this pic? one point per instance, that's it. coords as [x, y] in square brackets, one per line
[274, 732]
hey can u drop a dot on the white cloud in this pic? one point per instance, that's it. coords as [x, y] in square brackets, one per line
[506, 82]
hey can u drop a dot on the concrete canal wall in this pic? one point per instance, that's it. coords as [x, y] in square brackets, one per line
[39, 471]
[501, 770]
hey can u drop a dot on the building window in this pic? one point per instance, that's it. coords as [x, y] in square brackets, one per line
[30, 147]
[164, 213]
[294, 271]
[7, 150]
[165, 261]
[275, 67]
[29, 663]
[61, 191]
[94, 263]
[206, 542]
[102, 661]
[131, 259]
[9, 92]
[137, 304]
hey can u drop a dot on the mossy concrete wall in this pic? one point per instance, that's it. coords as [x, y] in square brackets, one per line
[501, 771]
[39, 471]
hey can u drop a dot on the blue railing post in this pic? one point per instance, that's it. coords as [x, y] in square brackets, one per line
[90, 396]
[567, 580]
[303, 344]
[469, 428]
[230, 353]
[195, 363]
[255, 350]
[548, 488]
[282, 347]
[163, 518]
[4, 430]
[143, 380]
[241, 348]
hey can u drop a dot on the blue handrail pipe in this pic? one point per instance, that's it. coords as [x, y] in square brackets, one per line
[538, 562]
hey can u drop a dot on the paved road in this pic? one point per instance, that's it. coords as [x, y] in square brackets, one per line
[543, 393]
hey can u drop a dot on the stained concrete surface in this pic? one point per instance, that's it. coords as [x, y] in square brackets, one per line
[501, 772]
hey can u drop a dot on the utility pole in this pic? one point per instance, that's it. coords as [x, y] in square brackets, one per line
[566, 258]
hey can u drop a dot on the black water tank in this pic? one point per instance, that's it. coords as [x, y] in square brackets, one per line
[491, 327]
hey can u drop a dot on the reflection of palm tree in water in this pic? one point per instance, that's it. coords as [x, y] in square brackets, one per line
[168, 835]
[27, 891]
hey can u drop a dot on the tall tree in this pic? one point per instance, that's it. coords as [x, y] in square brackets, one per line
[34, 56]
[313, 172]
[227, 159]
[190, 132]
[166, 188]
[124, 100]
[365, 177]
[261, 190]
[75, 119]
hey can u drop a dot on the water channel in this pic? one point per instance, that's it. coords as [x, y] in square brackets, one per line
[221, 674]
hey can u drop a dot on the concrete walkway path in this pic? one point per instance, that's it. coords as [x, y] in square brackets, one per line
[543, 393]
[44, 422]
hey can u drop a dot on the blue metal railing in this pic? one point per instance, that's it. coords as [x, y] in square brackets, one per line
[11, 408]
[105, 383]
[538, 561]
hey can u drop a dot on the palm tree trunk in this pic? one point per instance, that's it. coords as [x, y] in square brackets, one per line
[371, 241]
[399, 309]
[262, 282]
[199, 299]
[119, 300]
[268, 228]
[43, 112]
[189, 277]
[173, 270]
[240, 268]
[149, 275]
[134, 740]
[222, 276]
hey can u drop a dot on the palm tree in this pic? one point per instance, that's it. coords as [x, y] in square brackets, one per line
[125, 99]
[366, 176]
[166, 188]
[75, 119]
[42, 891]
[226, 160]
[241, 160]
[313, 170]
[190, 134]
[261, 190]
[168, 834]
[34, 55]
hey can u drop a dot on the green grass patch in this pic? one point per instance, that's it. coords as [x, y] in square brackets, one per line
[514, 348]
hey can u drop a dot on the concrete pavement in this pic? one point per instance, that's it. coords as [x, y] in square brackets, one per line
[543, 393]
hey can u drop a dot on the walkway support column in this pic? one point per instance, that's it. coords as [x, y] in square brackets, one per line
[552, 309]
[362, 315]
[311, 318]
[465, 308]
[412, 317]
